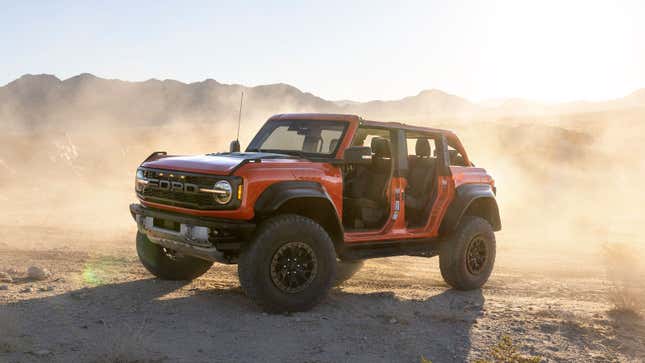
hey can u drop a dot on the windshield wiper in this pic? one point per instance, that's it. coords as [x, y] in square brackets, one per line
[277, 151]
[293, 152]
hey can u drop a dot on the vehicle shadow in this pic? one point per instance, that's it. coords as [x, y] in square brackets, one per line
[173, 321]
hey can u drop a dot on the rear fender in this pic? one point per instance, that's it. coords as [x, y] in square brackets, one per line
[472, 199]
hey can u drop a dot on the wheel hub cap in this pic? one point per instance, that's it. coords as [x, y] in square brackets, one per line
[293, 267]
[476, 255]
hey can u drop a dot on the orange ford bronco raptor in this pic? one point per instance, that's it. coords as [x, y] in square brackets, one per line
[311, 197]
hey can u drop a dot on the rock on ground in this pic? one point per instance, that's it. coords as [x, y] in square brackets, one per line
[38, 273]
[5, 277]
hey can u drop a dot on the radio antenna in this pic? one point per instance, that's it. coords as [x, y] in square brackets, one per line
[234, 147]
[239, 117]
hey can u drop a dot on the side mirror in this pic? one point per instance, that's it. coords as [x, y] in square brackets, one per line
[456, 158]
[358, 155]
[234, 147]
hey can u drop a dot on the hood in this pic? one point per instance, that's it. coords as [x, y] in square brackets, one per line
[218, 164]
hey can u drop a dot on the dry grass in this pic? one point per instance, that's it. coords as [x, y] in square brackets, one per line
[625, 273]
[506, 351]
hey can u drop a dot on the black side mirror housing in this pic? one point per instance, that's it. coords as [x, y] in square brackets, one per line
[456, 158]
[358, 155]
[234, 147]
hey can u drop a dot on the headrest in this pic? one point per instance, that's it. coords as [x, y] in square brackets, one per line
[381, 147]
[332, 145]
[422, 147]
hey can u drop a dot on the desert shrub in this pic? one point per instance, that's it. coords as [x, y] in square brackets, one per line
[505, 351]
[625, 274]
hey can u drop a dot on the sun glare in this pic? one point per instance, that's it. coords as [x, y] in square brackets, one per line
[560, 51]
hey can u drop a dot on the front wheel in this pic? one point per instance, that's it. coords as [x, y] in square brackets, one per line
[168, 265]
[289, 266]
[466, 259]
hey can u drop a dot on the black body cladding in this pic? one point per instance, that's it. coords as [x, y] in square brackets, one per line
[471, 198]
[278, 194]
[301, 197]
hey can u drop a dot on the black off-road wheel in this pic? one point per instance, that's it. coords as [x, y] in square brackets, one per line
[168, 265]
[289, 266]
[347, 269]
[467, 258]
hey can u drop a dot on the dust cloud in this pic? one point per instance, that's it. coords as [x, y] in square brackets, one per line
[568, 270]
[568, 184]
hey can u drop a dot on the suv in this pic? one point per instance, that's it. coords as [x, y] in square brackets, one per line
[311, 197]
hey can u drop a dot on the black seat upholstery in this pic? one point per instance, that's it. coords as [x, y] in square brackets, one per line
[367, 192]
[379, 171]
[421, 179]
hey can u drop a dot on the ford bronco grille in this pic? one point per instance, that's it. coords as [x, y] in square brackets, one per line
[182, 189]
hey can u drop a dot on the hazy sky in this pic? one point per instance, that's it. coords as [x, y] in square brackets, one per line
[544, 50]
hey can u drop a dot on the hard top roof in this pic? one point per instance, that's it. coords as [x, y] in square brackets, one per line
[355, 118]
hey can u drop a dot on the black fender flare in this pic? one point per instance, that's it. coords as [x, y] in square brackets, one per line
[465, 197]
[275, 195]
[278, 194]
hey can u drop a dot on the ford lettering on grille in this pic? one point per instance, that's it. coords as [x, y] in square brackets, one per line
[173, 186]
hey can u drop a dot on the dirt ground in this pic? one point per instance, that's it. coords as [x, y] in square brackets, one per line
[100, 305]
[568, 185]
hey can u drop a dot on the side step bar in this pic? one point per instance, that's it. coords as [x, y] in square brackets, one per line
[414, 247]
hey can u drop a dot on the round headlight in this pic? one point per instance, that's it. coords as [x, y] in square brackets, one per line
[139, 181]
[225, 192]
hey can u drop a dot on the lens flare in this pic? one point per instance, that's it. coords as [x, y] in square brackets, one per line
[101, 271]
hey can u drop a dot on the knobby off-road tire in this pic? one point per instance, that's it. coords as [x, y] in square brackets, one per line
[266, 266]
[166, 266]
[466, 258]
[347, 269]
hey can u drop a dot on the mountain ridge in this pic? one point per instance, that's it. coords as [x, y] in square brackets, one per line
[43, 100]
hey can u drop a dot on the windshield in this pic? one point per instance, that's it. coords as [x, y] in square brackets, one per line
[300, 137]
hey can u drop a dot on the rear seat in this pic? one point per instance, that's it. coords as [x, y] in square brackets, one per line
[420, 181]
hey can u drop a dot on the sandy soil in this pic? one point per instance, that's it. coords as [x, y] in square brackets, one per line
[100, 305]
[567, 185]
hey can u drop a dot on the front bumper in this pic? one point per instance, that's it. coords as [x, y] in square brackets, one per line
[206, 238]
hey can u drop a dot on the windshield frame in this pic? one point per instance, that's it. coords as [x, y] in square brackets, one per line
[271, 125]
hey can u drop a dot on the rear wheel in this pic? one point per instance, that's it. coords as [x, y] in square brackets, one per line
[467, 258]
[168, 265]
[289, 266]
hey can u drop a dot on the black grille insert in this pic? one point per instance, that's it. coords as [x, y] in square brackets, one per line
[199, 200]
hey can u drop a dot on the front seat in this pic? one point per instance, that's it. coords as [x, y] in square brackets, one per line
[368, 202]
[332, 145]
[420, 182]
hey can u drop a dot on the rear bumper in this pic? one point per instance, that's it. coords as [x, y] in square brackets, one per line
[206, 238]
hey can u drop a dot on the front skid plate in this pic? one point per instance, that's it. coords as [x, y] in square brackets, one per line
[185, 241]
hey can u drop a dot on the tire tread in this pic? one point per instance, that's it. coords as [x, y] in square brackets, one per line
[450, 252]
[251, 253]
